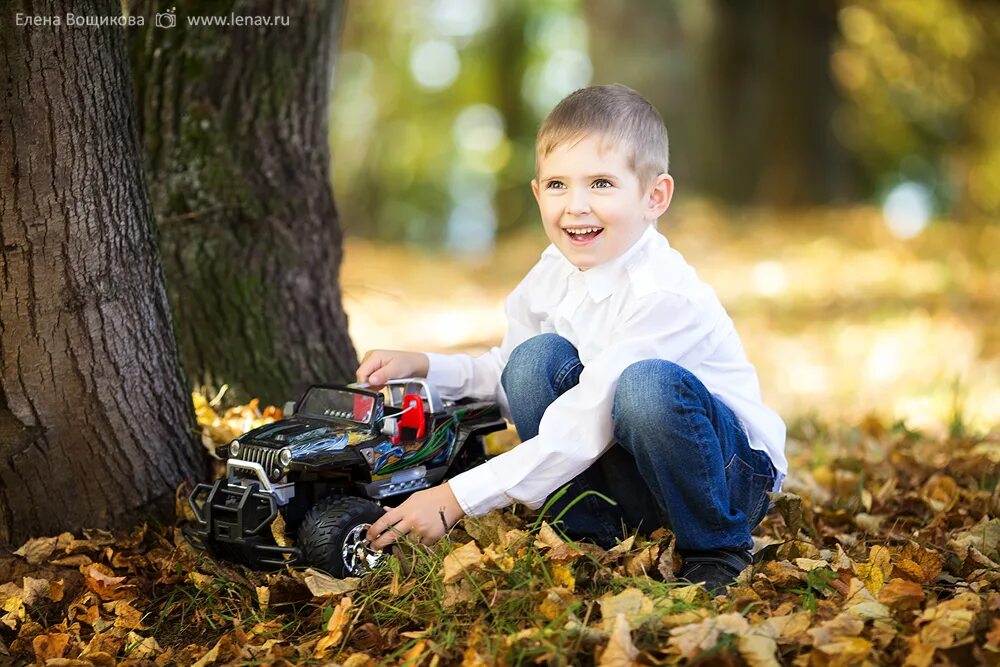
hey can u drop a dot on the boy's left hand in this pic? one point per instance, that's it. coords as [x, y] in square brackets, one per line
[420, 517]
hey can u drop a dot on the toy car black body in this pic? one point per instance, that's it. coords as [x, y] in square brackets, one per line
[326, 469]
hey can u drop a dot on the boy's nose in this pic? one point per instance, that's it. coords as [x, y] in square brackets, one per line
[579, 203]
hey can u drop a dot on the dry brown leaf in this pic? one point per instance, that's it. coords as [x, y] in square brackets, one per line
[335, 627]
[210, 657]
[142, 648]
[620, 651]
[557, 601]
[358, 660]
[695, 638]
[781, 573]
[322, 585]
[985, 536]
[902, 594]
[263, 596]
[949, 621]
[547, 537]
[101, 580]
[457, 593]
[842, 652]
[786, 628]
[37, 550]
[412, 656]
[641, 564]
[622, 547]
[940, 492]
[758, 650]
[127, 616]
[48, 647]
[461, 560]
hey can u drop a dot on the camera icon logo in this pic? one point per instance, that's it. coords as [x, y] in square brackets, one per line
[167, 19]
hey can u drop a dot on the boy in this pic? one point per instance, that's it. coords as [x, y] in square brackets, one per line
[620, 369]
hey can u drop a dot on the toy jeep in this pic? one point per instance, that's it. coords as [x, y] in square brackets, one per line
[327, 468]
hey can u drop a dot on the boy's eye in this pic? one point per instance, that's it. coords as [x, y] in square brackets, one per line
[602, 183]
[555, 185]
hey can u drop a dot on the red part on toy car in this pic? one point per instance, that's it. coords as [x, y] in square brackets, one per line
[412, 422]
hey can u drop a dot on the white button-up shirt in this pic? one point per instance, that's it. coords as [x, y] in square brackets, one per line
[647, 303]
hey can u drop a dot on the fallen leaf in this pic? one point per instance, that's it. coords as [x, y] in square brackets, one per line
[37, 550]
[874, 573]
[902, 594]
[620, 651]
[335, 627]
[141, 648]
[985, 536]
[547, 537]
[460, 561]
[631, 602]
[695, 638]
[562, 575]
[940, 492]
[758, 650]
[641, 564]
[210, 657]
[841, 651]
[502, 560]
[48, 647]
[322, 585]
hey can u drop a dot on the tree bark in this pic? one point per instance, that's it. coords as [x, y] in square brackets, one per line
[234, 123]
[96, 426]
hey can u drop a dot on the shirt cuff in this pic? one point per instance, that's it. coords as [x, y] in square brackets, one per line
[479, 490]
[444, 371]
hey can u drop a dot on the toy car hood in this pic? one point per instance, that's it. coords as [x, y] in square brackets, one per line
[303, 434]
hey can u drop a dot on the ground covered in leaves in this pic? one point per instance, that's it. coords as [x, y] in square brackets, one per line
[881, 549]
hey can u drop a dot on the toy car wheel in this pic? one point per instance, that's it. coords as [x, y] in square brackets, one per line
[332, 536]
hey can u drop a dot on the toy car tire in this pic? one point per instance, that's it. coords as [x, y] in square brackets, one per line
[328, 525]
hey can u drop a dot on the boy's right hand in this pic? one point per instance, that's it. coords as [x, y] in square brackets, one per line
[379, 366]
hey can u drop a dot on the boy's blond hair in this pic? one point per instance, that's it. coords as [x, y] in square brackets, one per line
[622, 117]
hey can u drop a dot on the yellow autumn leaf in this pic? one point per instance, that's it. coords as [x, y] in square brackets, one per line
[562, 575]
[632, 602]
[502, 560]
[335, 627]
[874, 573]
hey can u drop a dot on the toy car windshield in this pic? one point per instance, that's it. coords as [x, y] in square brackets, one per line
[330, 403]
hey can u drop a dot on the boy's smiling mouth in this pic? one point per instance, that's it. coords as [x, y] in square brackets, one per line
[582, 235]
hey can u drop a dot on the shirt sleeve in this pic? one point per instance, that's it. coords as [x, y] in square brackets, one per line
[577, 428]
[464, 375]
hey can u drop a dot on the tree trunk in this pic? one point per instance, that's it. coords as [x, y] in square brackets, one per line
[95, 422]
[769, 139]
[234, 122]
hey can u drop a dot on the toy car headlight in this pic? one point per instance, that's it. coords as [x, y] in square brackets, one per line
[234, 448]
[285, 456]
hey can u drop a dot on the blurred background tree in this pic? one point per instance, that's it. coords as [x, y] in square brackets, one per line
[783, 104]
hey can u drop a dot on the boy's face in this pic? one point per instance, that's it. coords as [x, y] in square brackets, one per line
[592, 206]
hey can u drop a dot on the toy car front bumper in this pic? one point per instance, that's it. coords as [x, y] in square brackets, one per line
[240, 516]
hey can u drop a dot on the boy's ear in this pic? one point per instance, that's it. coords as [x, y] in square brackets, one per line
[534, 188]
[659, 196]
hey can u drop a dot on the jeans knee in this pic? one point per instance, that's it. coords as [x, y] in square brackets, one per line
[537, 359]
[646, 392]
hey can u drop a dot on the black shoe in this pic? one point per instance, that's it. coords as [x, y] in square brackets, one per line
[717, 568]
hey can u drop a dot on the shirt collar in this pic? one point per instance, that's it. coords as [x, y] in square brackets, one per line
[602, 280]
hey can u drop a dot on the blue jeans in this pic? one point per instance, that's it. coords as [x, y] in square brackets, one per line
[680, 458]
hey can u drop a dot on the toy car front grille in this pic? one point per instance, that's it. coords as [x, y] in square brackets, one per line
[265, 456]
